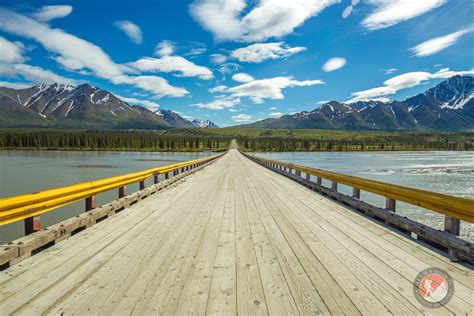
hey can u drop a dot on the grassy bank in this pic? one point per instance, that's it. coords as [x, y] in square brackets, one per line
[248, 140]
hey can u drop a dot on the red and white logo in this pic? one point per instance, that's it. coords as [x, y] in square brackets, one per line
[433, 287]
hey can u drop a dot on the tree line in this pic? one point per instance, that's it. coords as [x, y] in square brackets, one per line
[195, 140]
[108, 140]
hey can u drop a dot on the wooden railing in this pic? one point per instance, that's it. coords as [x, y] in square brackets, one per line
[455, 209]
[28, 207]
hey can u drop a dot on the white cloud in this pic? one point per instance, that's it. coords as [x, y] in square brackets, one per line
[71, 48]
[196, 51]
[51, 12]
[218, 58]
[132, 30]
[234, 110]
[276, 114]
[273, 108]
[219, 104]
[157, 85]
[322, 102]
[334, 64]
[404, 81]
[165, 48]
[446, 73]
[229, 68]
[33, 73]
[166, 63]
[259, 90]
[242, 77]
[257, 53]
[218, 89]
[388, 13]
[437, 44]
[390, 71]
[11, 52]
[267, 19]
[146, 103]
[15, 85]
[348, 10]
[242, 118]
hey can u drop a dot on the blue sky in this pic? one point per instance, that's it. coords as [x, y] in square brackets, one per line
[236, 61]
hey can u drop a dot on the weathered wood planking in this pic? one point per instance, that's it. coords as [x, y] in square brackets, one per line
[235, 238]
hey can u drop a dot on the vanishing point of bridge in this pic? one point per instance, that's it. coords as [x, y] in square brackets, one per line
[231, 235]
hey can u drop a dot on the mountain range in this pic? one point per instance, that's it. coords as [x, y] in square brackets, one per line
[83, 106]
[449, 106]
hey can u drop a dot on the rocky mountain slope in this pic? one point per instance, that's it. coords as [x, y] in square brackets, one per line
[83, 106]
[201, 123]
[449, 106]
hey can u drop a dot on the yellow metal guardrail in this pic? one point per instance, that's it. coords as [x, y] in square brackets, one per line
[452, 206]
[26, 206]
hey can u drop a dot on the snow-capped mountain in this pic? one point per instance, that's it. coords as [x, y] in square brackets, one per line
[81, 106]
[201, 123]
[447, 106]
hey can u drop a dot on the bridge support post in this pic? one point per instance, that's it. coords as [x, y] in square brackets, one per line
[122, 192]
[156, 178]
[452, 226]
[356, 193]
[390, 204]
[90, 203]
[319, 181]
[308, 176]
[334, 185]
[32, 224]
[142, 184]
[167, 175]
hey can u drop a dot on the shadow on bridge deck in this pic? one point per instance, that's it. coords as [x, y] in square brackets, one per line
[232, 238]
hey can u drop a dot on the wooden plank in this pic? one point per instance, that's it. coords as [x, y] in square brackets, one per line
[194, 297]
[278, 296]
[222, 293]
[250, 295]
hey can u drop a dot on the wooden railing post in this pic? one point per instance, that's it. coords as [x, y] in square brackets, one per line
[122, 191]
[142, 184]
[452, 225]
[390, 204]
[156, 178]
[334, 185]
[356, 193]
[32, 224]
[167, 175]
[319, 181]
[90, 203]
[308, 176]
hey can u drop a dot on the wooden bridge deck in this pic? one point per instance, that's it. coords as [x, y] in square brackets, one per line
[232, 238]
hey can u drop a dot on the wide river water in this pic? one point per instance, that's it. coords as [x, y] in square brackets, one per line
[31, 171]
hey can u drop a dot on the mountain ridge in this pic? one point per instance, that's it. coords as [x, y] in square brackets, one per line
[448, 106]
[82, 106]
